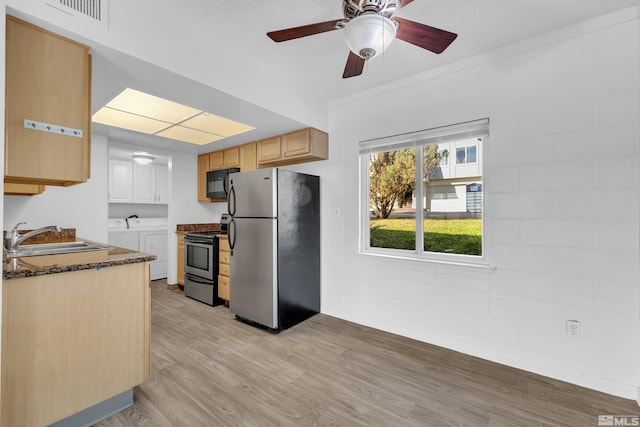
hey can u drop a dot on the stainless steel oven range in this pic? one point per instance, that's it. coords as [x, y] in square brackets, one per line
[201, 267]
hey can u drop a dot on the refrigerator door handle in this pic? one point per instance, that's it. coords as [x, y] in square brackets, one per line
[232, 196]
[232, 234]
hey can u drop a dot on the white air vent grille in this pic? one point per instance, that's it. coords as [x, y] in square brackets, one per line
[89, 8]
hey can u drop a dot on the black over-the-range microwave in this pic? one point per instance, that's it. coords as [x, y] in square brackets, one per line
[218, 183]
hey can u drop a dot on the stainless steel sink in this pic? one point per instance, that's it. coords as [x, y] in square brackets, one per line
[57, 248]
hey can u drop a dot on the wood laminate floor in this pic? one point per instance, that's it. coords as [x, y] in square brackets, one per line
[211, 370]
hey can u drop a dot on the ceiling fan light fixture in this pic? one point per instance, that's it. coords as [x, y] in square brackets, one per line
[369, 35]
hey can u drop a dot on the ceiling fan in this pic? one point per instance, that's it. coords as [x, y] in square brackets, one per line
[369, 29]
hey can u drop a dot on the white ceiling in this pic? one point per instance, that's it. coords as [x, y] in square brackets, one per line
[318, 61]
[236, 71]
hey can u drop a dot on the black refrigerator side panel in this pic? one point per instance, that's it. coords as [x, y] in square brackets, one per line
[298, 247]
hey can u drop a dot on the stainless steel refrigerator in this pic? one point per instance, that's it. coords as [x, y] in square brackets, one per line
[274, 236]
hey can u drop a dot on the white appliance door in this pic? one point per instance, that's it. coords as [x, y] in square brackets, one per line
[253, 194]
[254, 284]
[124, 239]
[155, 242]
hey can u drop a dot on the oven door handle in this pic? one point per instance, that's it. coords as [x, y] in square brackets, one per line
[232, 234]
[197, 279]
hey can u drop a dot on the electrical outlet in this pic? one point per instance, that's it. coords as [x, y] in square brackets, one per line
[573, 328]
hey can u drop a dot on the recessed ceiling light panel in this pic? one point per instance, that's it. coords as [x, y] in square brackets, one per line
[141, 112]
[121, 119]
[189, 135]
[211, 123]
[143, 104]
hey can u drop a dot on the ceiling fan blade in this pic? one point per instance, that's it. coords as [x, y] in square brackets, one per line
[354, 66]
[304, 31]
[403, 3]
[424, 36]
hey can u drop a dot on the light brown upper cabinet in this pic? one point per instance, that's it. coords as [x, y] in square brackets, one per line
[248, 160]
[23, 189]
[48, 104]
[216, 160]
[231, 157]
[268, 150]
[203, 167]
[305, 145]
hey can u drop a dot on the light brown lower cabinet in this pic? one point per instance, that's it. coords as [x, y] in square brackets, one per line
[71, 340]
[224, 268]
[180, 258]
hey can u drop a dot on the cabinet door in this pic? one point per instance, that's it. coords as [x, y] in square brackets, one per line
[216, 160]
[48, 80]
[180, 259]
[224, 286]
[143, 183]
[155, 242]
[203, 167]
[268, 150]
[248, 160]
[231, 157]
[295, 144]
[162, 184]
[120, 177]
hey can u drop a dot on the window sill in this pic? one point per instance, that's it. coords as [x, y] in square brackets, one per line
[414, 257]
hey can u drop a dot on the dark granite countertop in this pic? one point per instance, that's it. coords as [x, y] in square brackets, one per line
[195, 228]
[13, 268]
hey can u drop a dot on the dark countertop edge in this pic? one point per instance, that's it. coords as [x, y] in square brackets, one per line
[202, 227]
[132, 258]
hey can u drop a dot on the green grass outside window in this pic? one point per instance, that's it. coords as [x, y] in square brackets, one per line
[455, 236]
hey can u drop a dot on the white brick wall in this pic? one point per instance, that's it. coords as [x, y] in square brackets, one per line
[562, 185]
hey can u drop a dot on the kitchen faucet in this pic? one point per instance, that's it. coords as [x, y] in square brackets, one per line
[128, 218]
[14, 239]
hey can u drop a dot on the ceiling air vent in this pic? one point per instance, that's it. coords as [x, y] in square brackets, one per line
[94, 9]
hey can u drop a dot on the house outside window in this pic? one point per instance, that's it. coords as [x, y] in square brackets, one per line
[443, 217]
[466, 154]
[444, 157]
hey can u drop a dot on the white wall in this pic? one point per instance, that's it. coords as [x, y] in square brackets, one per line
[562, 215]
[81, 206]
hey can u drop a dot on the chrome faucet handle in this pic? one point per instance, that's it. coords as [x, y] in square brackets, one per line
[15, 227]
[12, 236]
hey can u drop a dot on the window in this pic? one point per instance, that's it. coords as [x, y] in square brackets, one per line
[412, 205]
[466, 154]
[444, 157]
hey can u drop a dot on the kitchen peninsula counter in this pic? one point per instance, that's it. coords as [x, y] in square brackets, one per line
[13, 268]
[75, 335]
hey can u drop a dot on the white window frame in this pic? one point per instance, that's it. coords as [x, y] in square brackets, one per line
[466, 154]
[466, 130]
